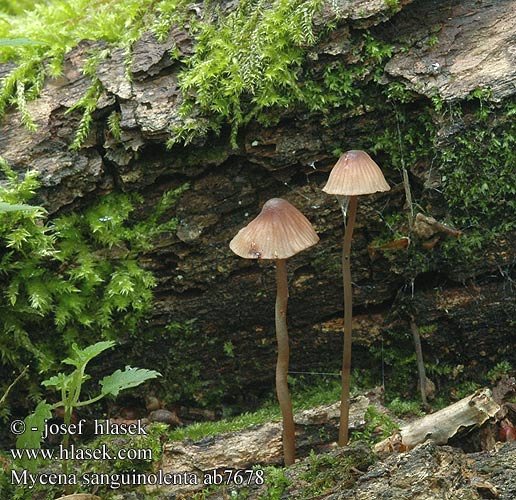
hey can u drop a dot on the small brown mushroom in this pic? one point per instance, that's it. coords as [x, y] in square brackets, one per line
[278, 232]
[355, 173]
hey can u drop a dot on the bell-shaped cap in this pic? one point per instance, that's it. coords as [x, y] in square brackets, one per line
[355, 173]
[279, 231]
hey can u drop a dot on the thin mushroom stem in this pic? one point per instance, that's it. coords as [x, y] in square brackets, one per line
[348, 314]
[282, 363]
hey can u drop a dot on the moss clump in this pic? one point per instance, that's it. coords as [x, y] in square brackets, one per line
[252, 64]
[276, 482]
[336, 470]
[378, 426]
[247, 64]
[72, 279]
[479, 178]
[305, 397]
[51, 29]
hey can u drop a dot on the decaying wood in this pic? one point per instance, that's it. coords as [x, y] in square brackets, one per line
[471, 411]
[504, 389]
[431, 472]
[426, 227]
[428, 471]
[470, 48]
[260, 444]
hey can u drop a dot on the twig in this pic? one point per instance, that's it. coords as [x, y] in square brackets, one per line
[419, 357]
[4, 397]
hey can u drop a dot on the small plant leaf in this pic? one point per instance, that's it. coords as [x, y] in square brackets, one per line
[130, 377]
[59, 381]
[81, 357]
[32, 439]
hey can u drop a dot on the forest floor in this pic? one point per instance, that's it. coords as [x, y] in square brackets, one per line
[472, 456]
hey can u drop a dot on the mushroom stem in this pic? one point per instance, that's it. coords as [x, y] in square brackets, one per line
[282, 363]
[348, 313]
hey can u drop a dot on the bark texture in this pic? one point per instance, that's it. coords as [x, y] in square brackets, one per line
[231, 299]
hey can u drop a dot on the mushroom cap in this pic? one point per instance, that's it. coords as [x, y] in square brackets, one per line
[355, 173]
[279, 231]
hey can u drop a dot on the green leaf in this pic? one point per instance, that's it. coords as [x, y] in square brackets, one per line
[32, 439]
[14, 207]
[82, 356]
[130, 377]
[59, 381]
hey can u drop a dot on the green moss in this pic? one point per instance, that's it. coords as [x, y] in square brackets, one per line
[58, 26]
[499, 371]
[479, 178]
[75, 278]
[303, 397]
[247, 65]
[425, 330]
[276, 482]
[247, 61]
[393, 4]
[475, 164]
[378, 426]
[328, 472]
[402, 407]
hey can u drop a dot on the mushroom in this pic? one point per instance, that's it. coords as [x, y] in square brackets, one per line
[278, 232]
[355, 173]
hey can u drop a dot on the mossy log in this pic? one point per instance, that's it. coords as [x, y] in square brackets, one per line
[419, 456]
[459, 48]
[261, 445]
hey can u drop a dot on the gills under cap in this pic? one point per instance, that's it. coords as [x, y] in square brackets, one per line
[279, 231]
[355, 173]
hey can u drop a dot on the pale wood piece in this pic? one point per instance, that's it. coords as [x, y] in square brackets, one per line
[472, 411]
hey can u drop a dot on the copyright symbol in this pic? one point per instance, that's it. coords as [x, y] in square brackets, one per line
[18, 427]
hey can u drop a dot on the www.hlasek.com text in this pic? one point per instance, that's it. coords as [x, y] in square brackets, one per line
[77, 453]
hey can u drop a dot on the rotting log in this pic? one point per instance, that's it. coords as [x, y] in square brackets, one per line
[260, 444]
[468, 413]
[197, 276]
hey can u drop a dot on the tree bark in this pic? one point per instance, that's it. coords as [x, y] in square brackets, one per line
[462, 46]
